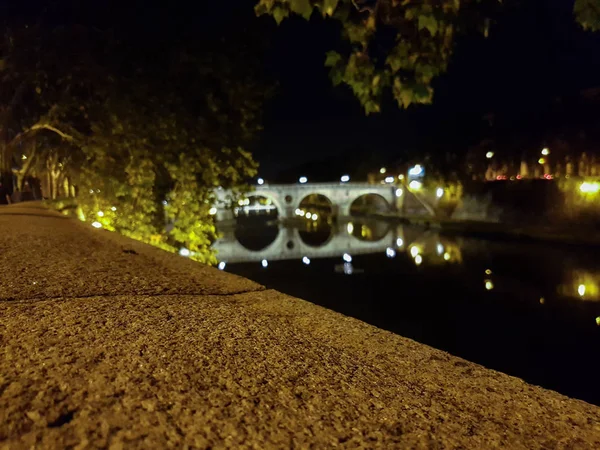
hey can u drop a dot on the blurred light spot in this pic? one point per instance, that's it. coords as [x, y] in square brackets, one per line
[350, 228]
[440, 249]
[414, 251]
[97, 225]
[348, 268]
[212, 211]
[399, 192]
[113, 208]
[418, 260]
[100, 213]
[489, 155]
[598, 321]
[264, 263]
[581, 290]
[545, 152]
[446, 256]
[389, 179]
[589, 188]
[222, 265]
[315, 216]
[184, 252]
[489, 285]
[347, 257]
[399, 242]
[542, 160]
[260, 181]
[488, 272]
[382, 170]
[415, 185]
[306, 260]
[303, 180]
[416, 170]
[439, 193]
[345, 178]
[308, 215]
[390, 252]
[542, 300]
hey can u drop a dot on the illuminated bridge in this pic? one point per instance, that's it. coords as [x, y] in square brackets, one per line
[288, 197]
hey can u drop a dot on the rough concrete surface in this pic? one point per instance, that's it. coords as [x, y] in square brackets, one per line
[257, 369]
[45, 254]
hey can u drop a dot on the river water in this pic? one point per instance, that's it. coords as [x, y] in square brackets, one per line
[531, 310]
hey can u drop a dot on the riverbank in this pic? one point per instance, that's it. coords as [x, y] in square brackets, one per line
[108, 342]
[571, 235]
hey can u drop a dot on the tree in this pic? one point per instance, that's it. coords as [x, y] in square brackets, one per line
[142, 136]
[399, 45]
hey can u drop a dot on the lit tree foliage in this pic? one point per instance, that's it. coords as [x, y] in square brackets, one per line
[399, 45]
[587, 13]
[143, 137]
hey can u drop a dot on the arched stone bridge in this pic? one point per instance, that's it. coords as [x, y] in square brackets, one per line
[287, 197]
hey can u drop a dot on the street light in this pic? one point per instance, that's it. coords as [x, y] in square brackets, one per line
[439, 193]
[489, 155]
[389, 180]
[303, 180]
[345, 178]
[260, 181]
[545, 151]
[382, 170]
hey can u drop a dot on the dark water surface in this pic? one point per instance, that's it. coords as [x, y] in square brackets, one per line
[529, 310]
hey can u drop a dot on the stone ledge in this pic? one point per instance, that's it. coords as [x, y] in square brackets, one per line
[254, 370]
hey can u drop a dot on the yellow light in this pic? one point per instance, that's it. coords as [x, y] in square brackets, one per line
[350, 227]
[415, 185]
[542, 300]
[100, 213]
[542, 160]
[401, 177]
[24, 157]
[581, 290]
[489, 155]
[598, 321]
[589, 188]
[488, 272]
[489, 285]
[315, 217]
[447, 256]
[418, 260]
[382, 170]
[414, 251]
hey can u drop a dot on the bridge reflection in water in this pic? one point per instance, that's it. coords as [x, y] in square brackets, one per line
[306, 241]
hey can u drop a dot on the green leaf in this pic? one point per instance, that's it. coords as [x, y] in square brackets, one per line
[332, 59]
[329, 7]
[430, 23]
[301, 7]
[279, 14]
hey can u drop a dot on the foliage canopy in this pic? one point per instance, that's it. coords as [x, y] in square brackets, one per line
[399, 45]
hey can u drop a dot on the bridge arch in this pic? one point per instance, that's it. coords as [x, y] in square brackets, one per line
[368, 201]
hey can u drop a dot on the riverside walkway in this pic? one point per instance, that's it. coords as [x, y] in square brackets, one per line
[107, 342]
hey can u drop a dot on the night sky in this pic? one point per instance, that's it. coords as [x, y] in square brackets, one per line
[535, 53]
